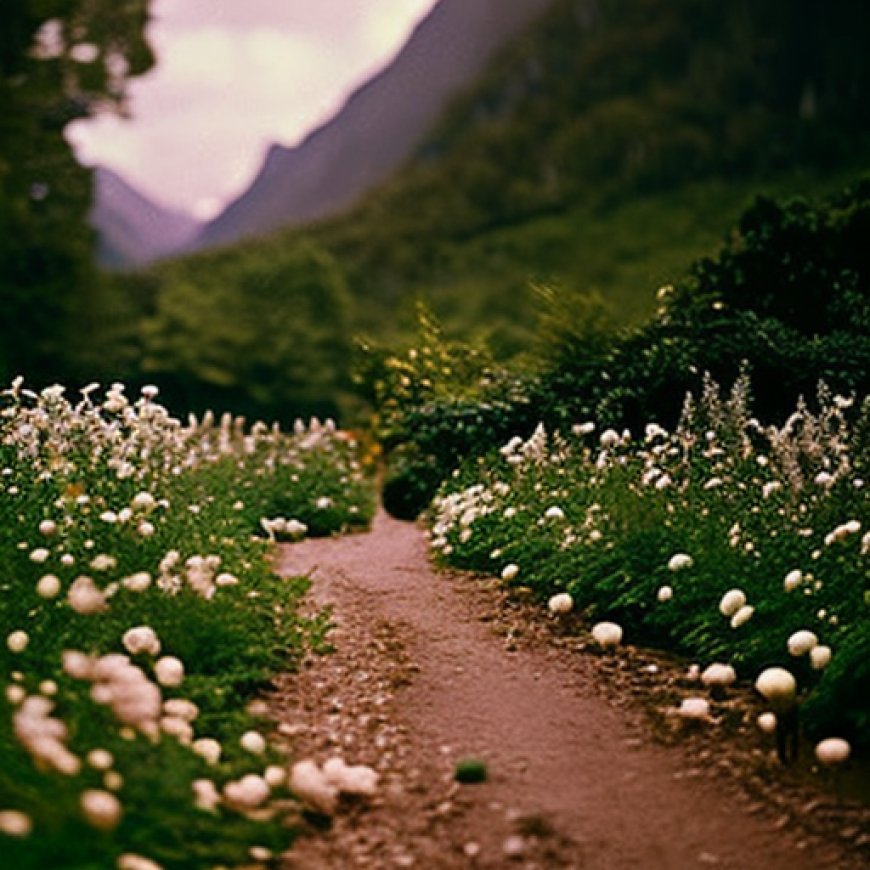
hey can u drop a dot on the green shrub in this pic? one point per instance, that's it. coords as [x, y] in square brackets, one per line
[748, 504]
[160, 518]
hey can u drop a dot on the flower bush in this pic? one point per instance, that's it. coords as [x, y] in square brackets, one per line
[138, 616]
[721, 539]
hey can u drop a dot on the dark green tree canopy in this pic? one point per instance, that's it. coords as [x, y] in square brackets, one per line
[59, 60]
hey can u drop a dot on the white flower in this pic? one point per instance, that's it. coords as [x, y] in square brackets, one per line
[48, 586]
[142, 639]
[609, 439]
[665, 593]
[323, 503]
[731, 602]
[820, 657]
[743, 615]
[39, 555]
[15, 694]
[77, 665]
[694, 709]
[101, 809]
[823, 478]
[718, 675]
[84, 597]
[207, 748]
[770, 487]
[554, 513]
[182, 708]
[793, 580]
[137, 582]
[169, 561]
[833, 751]
[17, 641]
[100, 759]
[607, 634]
[178, 728]
[15, 824]
[253, 741]
[132, 861]
[169, 671]
[801, 642]
[295, 529]
[510, 572]
[680, 561]
[309, 783]
[47, 527]
[275, 775]
[248, 792]
[103, 562]
[767, 722]
[143, 501]
[351, 779]
[206, 796]
[560, 603]
[778, 686]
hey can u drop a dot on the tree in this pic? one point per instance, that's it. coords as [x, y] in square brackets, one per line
[268, 336]
[60, 60]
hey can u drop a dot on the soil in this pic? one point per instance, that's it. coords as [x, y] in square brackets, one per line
[584, 766]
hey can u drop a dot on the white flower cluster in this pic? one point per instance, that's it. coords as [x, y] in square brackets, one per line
[282, 527]
[320, 787]
[120, 685]
[44, 735]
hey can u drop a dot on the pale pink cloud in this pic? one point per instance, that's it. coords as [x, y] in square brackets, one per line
[234, 76]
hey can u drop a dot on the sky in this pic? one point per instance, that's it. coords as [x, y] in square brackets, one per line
[232, 77]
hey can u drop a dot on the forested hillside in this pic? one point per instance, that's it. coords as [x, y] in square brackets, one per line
[607, 148]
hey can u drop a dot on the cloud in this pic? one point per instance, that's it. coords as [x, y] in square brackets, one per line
[231, 78]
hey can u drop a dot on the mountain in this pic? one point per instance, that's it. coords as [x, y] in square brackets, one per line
[601, 151]
[132, 229]
[379, 125]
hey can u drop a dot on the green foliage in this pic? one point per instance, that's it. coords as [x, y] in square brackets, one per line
[438, 402]
[746, 309]
[470, 770]
[606, 149]
[59, 61]
[602, 518]
[161, 518]
[267, 335]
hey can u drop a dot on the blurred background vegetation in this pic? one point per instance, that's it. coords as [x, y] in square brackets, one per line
[602, 153]
[59, 60]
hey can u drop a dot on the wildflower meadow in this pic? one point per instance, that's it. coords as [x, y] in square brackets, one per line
[741, 544]
[141, 617]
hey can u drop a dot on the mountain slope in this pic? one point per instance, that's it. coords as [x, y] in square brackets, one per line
[604, 149]
[379, 125]
[133, 230]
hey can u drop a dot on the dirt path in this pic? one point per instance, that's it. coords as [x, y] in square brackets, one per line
[430, 668]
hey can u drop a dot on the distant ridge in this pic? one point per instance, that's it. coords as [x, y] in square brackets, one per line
[132, 229]
[380, 124]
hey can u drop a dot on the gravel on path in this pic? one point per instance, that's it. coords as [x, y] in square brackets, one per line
[430, 668]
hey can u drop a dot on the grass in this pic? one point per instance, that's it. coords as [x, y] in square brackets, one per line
[165, 522]
[602, 516]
